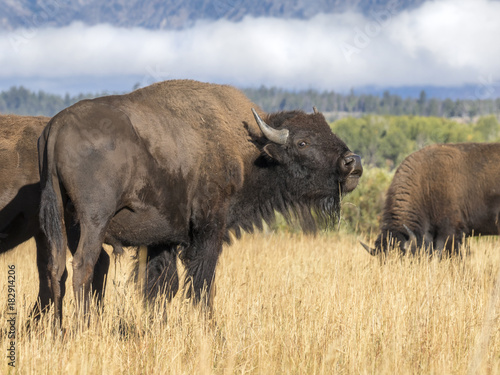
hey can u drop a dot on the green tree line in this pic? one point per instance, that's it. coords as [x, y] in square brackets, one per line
[275, 99]
[20, 100]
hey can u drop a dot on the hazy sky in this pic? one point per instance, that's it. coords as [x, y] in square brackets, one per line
[442, 43]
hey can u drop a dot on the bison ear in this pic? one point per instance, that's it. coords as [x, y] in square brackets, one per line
[274, 152]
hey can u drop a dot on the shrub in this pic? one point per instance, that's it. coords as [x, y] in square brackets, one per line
[362, 208]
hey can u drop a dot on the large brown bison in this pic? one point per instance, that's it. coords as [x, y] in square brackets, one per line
[439, 195]
[176, 166]
[20, 197]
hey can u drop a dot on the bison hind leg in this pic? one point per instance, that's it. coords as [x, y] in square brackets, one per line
[44, 292]
[101, 267]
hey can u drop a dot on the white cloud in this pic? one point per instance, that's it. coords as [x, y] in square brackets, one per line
[447, 42]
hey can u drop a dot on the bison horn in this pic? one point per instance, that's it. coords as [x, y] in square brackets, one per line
[274, 135]
[412, 238]
[410, 233]
[370, 250]
[315, 110]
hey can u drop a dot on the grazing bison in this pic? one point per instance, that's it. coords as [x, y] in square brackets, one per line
[176, 166]
[20, 197]
[439, 195]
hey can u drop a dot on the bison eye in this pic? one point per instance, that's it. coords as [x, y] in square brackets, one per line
[302, 144]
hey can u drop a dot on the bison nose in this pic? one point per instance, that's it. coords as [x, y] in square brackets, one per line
[351, 165]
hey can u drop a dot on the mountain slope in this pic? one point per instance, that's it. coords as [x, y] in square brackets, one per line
[174, 14]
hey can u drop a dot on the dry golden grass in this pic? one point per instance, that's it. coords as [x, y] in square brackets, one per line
[285, 304]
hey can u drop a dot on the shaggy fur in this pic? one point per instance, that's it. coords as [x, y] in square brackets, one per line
[441, 194]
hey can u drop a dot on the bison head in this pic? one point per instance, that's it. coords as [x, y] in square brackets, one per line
[404, 240]
[314, 166]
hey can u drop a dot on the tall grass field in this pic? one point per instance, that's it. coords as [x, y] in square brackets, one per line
[284, 304]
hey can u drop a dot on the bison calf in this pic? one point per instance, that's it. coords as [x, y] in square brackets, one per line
[439, 195]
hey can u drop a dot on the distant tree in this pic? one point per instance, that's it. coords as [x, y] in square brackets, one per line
[488, 129]
[433, 107]
[362, 208]
[448, 108]
[421, 103]
[22, 101]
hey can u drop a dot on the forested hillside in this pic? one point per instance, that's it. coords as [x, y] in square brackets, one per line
[274, 99]
[384, 141]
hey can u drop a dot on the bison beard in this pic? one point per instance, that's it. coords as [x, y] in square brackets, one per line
[315, 214]
[161, 274]
[177, 166]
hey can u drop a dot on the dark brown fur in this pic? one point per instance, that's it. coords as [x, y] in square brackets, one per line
[440, 194]
[176, 166]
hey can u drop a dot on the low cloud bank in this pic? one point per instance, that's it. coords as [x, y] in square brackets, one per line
[442, 43]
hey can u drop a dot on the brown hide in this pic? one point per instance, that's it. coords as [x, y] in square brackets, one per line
[19, 182]
[177, 165]
[20, 192]
[441, 194]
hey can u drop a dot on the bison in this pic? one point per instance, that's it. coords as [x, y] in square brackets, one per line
[20, 198]
[438, 196]
[20, 192]
[177, 166]
[19, 185]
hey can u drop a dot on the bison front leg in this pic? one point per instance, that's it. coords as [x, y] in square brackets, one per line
[200, 259]
[447, 243]
[161, 274]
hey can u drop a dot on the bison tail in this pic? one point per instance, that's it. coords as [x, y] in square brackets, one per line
[51, 217]
[51, 205]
